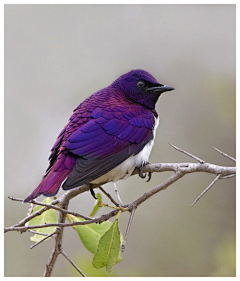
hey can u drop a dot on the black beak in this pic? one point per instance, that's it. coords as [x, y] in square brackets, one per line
[160, 89]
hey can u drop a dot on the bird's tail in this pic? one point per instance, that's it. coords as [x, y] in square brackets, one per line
[50, 184]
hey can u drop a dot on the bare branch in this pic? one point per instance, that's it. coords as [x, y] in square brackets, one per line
[205, 190]
[225, 154]
[33, 215]
[228, 177]
[58, 241]
[60, 224]
[72, 263]
[109, 196]
[188, 168]
[15, 199]
[155, 190]
[179, 169]
[36, 232]
[127, 230]
[51, 206]
[42, 240]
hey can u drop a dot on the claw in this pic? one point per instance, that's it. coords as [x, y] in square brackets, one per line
[149, 176]
[92, 191]
[141, 174]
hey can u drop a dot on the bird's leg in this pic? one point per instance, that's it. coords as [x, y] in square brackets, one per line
[143, 175]
[92, 191]
[118, 196]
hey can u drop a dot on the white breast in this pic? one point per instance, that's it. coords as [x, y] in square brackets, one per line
[126, 168]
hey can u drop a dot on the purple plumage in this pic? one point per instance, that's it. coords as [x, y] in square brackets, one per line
[107, 136]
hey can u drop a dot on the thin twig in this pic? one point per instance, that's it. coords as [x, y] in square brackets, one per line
[45, 238]
[109, 196]
[15, 199]
[72, 263]
[127, 230]
[51, 206]
[96, 220]
[205, 190]
[229, 176]
[188, 154]
[30, 209]
[33, 215]
[118, 195]
[176, 176]
[28, 218]
[225, 154]
[38, 233]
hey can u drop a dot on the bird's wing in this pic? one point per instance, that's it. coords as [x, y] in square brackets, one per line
[54, 150]
[109, 138]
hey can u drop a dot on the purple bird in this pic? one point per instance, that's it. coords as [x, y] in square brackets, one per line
[108, 135]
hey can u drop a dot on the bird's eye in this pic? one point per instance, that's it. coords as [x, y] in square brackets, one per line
[140, 84]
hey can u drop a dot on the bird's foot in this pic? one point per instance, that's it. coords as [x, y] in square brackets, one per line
[92, 191]
[144, 175]
[141, 174]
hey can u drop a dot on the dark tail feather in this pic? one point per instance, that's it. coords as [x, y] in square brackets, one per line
[50, 184]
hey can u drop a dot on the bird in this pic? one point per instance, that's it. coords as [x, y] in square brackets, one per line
[108, 135]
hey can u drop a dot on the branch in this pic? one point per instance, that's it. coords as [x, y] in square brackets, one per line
[127, 231]
[72, 263]
[178, 169]
[109, 196]
[45, 238]
[58, 241]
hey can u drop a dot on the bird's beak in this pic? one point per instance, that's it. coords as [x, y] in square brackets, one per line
[160, 88]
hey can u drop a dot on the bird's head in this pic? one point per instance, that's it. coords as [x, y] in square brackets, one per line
[141, 86]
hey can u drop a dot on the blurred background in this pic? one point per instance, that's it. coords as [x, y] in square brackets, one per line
[58, 55]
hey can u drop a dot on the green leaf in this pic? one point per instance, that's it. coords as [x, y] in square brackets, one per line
[90, 234]
[96, 207]
[48, 216]
[108, 248]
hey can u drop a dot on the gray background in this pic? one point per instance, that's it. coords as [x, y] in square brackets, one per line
[56, 56]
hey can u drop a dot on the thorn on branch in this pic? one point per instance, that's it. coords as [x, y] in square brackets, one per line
[228, 176]
[225, 154]
[188, 154]
[205, 190]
